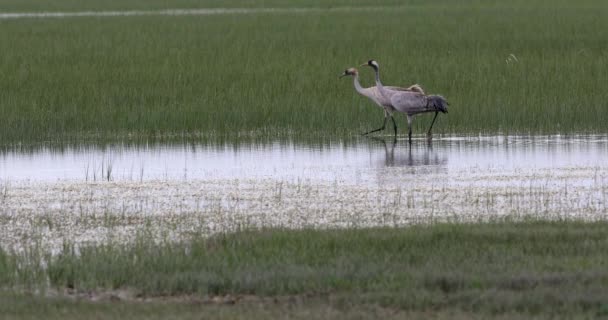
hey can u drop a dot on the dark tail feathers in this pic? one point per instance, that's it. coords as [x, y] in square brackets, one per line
[438, 103]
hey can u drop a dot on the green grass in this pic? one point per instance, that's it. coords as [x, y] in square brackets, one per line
[276, 74]
[494, 269]
[19, 306]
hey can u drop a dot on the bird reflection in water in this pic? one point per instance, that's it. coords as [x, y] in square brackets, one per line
[411, 157]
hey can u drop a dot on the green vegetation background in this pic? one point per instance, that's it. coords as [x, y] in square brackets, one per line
[506, 270]
[522, 66]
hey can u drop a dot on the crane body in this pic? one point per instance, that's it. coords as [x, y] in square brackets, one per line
[383, 101]
[410, 102]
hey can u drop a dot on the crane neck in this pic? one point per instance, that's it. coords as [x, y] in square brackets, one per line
[358, 86]
[378, 83]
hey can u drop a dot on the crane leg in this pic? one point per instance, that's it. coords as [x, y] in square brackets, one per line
[429, 134]
[409, 129]
[409, 135]
[382, 128]
[394, 125]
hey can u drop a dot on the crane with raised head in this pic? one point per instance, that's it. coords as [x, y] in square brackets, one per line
[409, 102]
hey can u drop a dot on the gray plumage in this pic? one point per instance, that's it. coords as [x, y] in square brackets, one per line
[438, 102]
[381, 100]
[374, 94]
[410, 103]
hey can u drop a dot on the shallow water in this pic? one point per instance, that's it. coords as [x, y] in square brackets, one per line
[364, 161]
[49, 195]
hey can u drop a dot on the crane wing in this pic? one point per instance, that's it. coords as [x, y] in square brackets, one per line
[374, 94]
[411, 102]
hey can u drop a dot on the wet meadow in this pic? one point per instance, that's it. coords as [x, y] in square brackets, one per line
[525, 67]
[186, 158]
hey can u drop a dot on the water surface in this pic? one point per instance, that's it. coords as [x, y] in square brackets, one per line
[360, 161]
[88, 193]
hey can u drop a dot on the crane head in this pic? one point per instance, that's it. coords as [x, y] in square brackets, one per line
[372, 63]
[349, 72]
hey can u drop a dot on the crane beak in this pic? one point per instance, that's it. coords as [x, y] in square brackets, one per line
[342, 76]
[363, 64]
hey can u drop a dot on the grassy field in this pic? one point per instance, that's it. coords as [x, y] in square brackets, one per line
[520, 66]
[532, 66]
[501, 269]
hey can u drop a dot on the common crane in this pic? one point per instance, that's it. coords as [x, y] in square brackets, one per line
[409, 102]
[374, 94]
